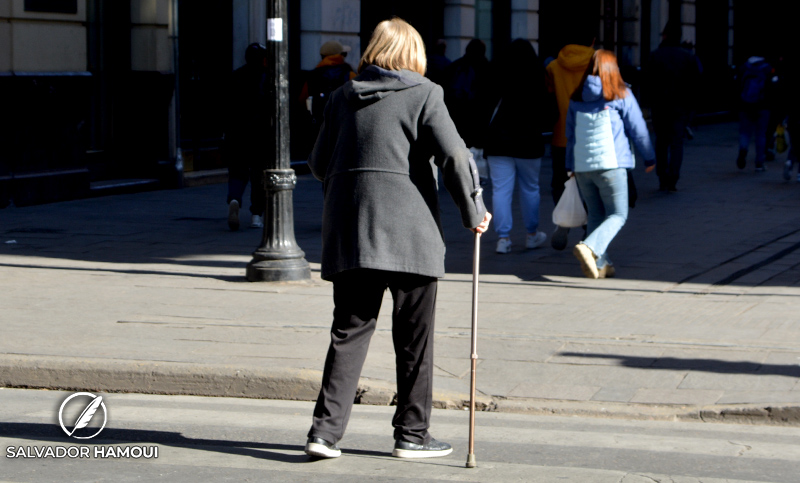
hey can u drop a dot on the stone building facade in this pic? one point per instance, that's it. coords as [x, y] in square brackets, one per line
[103, 94]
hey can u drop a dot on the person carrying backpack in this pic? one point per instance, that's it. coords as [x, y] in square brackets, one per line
[754, 78]
[330, 74]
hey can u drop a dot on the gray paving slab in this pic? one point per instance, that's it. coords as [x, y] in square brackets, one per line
[146, 292]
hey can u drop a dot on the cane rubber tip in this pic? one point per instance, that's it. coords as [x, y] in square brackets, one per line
[471, 461]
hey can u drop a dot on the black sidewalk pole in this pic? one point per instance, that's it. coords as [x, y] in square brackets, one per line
[279, 258]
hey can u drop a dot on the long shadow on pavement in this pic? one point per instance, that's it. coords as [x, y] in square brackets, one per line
[51, 433]
[695, 364]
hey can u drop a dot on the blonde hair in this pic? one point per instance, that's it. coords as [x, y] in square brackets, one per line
[395, 45]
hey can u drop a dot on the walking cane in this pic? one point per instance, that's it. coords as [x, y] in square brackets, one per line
[474, 355]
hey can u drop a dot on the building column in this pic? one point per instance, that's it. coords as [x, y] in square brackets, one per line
[659, 14]
[629, 30]
[525, 21]
[730, 32]
[249, 26]
[324, 20]
[689, 21]
[459, 26]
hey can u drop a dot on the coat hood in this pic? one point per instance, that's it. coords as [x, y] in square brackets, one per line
[575, 57]
[592, 89]
[375, 83]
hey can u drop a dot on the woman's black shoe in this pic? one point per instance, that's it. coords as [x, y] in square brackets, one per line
[320, 448]
[432, 449]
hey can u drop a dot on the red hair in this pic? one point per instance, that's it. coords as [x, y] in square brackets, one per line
[604, 65]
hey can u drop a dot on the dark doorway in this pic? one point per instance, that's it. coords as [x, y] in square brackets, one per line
[712, 51]
[762, 28]
[206, 60]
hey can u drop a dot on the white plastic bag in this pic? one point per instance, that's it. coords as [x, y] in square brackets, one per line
[569, 211]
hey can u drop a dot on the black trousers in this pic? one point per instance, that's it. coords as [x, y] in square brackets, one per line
[357, 296]
[246, 164]
[669, 127]
[560, 177]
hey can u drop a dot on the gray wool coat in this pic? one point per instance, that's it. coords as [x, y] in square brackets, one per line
[373, 153]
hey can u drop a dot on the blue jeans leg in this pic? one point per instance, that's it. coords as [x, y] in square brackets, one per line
[528, 172]
[606, 195]
[762, 120]
[502, 170]
[746, 128]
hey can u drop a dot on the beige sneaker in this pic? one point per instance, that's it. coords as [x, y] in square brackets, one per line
[607, 271]
[588, 261]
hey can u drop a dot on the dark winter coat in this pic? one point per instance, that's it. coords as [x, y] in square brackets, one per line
[673, 79]
[247, 116]
[374, 151]
[523, 109]
[466, 84]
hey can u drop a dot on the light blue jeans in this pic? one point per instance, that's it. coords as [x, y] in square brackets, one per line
[753, 124]
[504, 171]
[605, 193]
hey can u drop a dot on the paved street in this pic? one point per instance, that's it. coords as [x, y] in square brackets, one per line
[226, 439]
[146, 293]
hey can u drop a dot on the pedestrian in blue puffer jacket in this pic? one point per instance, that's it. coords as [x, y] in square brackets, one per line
[602, 120]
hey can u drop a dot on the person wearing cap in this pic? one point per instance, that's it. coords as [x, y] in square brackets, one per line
[331, 73]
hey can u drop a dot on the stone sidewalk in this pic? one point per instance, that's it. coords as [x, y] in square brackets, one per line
[146, 293]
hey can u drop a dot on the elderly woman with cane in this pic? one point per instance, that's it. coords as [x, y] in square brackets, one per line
[381, 230]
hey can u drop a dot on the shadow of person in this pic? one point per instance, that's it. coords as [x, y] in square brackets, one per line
[52, 433]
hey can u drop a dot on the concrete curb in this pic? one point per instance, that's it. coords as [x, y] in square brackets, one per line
[176, 378]
[786, 415]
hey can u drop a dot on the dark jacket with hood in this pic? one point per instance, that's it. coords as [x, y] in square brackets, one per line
[523, 108]
[673, 78]
[381, 208]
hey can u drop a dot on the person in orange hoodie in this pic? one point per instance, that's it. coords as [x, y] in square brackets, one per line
[563, 76]
[330, 74]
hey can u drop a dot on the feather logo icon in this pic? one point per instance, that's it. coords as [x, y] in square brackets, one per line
[86, 416]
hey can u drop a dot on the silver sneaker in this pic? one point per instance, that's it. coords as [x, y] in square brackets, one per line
[535, 240]
[503, 245]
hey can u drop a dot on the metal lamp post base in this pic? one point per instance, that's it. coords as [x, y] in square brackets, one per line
[290, 270]
[278, 259]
